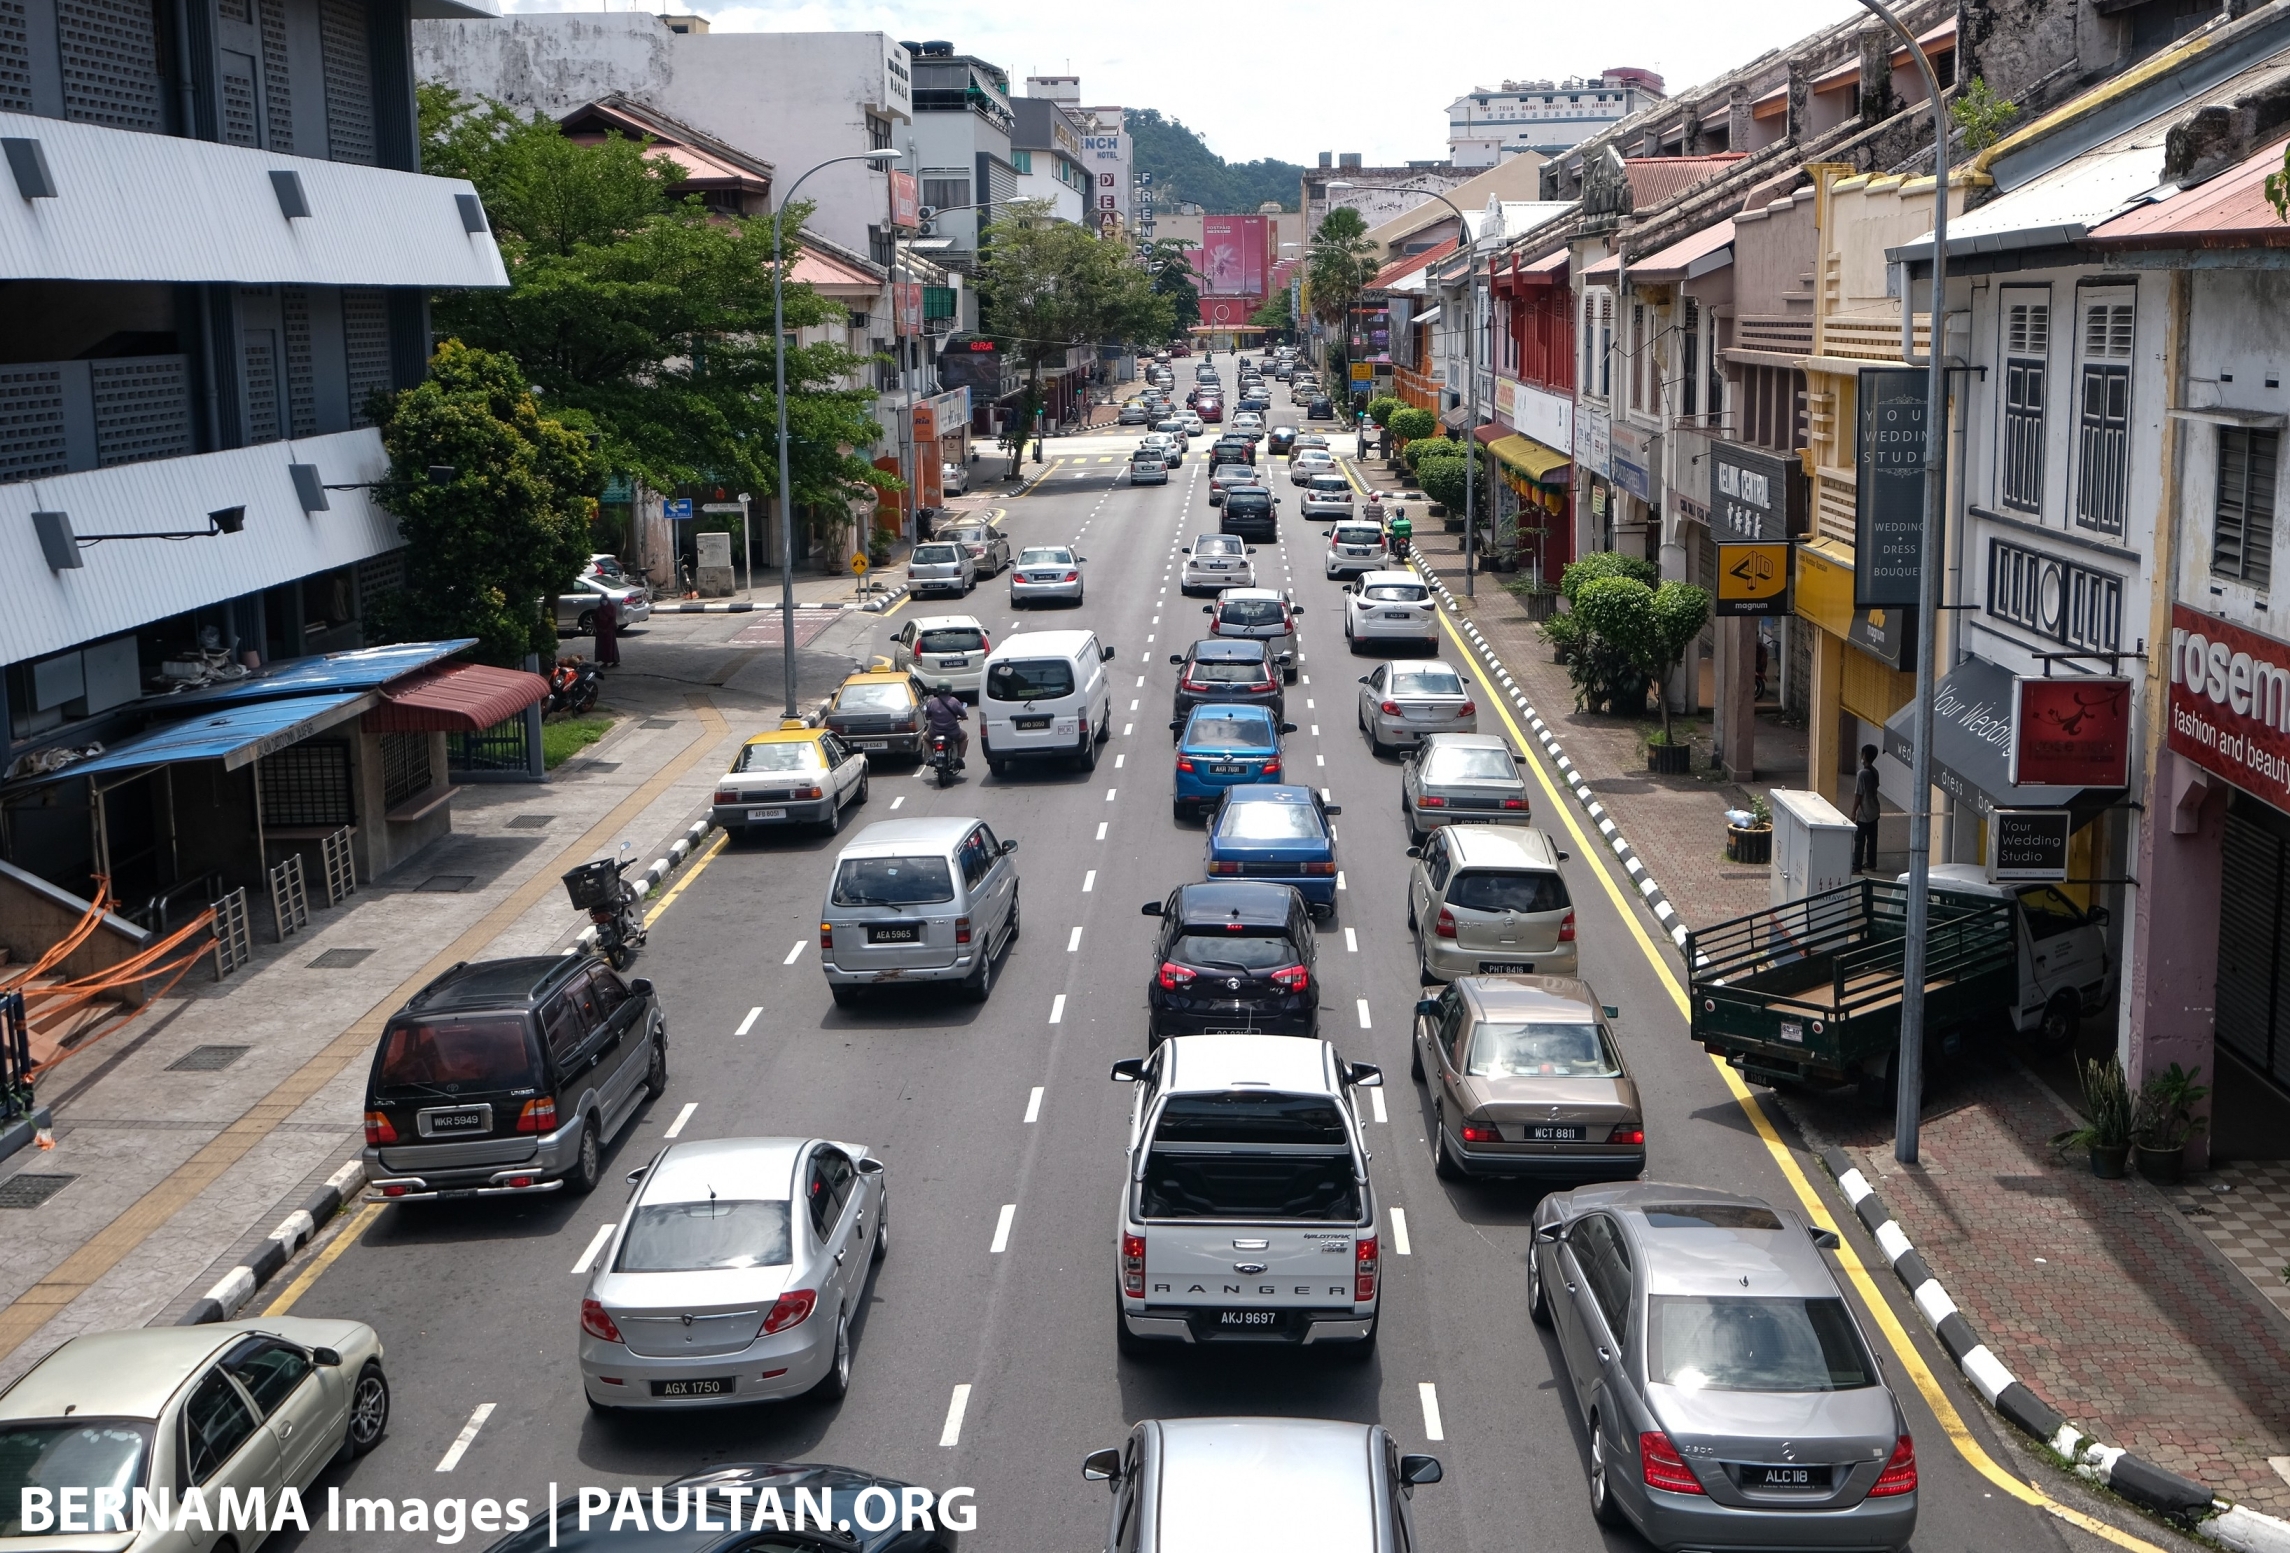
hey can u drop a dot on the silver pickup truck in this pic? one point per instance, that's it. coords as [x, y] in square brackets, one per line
[1246, 1210]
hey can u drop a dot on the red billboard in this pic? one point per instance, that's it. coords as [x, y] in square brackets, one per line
[2230, 703]
[906, 201]
[2072, 732]
[909, 308]
[1232, 256]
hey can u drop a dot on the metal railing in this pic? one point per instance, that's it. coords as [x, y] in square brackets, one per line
[341, 867]
[289, 901]
[234, 933]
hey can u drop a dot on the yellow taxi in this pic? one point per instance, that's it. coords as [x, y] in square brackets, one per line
[878, 711]
[794, 775]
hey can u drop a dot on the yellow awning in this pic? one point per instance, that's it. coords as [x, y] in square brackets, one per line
[1529, 457]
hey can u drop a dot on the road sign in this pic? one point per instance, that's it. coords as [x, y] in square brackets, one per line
[723, 506]
[859, 564]
[1362, 371]
[1753, 579]
[677, 509]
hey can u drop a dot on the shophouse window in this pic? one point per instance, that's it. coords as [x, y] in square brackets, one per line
[878, 133]
[2027, 347]
[2242, 542]
[2103, 415]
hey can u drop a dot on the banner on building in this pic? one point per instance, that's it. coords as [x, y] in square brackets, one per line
[906, 201]
[1756, 497]
[908, 300]
[1232, 256]
[2073, 731]
[2230, 703]
[1888, 504]
[1752, 580]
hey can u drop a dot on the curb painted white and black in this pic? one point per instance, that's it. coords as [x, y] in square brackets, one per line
[649, 880]
[2180, 1499]
[875, 605]
[237, 1286]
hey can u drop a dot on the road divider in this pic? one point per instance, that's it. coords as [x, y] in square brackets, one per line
[237, 1286]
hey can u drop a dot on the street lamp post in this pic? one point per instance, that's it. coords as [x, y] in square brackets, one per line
[779, 388]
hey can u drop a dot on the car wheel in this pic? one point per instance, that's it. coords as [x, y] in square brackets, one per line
[2062, 1021]
[1425, 976]
[586, 624]
[600, 1408]
[1011, 936]
[1538, 1305]
[588, 1160]
[1603, 1509]
[1000, 768]
[864, 778]
[846, 996]
[980, 984]
[369, 1412]
[1415, 1058]
[1443, 1163]
[1087, 759]
[834, 820]
[656, 1070]
[1180, 812]
[882, 1230]
[835, 1385]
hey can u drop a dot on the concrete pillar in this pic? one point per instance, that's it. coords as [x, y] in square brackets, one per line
[1735, 712]
[1738, 123]
[2171, 943]
[1824, 707]
[1876, 75]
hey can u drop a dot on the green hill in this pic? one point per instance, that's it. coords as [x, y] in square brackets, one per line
[1185, 169]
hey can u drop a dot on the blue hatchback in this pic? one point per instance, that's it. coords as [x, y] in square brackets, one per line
[1225, 746]
[1278, 833]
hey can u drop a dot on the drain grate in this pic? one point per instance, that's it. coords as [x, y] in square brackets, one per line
[207, 1059]
[657, 722]
[445, 884]
[530, 821]
[338, 959]
[26, 1190]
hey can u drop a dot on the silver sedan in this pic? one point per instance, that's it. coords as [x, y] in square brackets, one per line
[1402, 703]
[1217, 562]
[1461, 779]
[1046, 574]
[734, 1276]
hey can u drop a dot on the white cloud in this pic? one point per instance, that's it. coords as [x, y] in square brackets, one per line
[1289, 80]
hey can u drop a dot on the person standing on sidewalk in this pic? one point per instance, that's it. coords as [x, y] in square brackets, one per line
[1868, 808]
[607, 633]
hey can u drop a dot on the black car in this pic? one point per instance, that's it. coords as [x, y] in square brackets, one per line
[1233, 957]
[735, 1516]
[1322, 408]
[509, 1077]
[1282, 439]
[1220, 668]
[1247, 511]
[1232, 447]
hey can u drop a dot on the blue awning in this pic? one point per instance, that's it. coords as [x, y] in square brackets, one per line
[235, 735]
[361, 670]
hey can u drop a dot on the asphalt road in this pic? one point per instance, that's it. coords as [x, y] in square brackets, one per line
[975, 1108]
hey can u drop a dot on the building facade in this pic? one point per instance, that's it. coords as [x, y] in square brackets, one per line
[1490, 124]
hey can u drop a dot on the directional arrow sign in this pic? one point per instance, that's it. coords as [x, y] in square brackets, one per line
[1753, 580]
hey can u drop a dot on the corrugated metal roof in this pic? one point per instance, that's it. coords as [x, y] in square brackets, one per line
[1655, 180]
[132, 206]
[363, 669]
[2230, 210]
[132, 582]
[234, 735]
[1675, 261]
[456, 698]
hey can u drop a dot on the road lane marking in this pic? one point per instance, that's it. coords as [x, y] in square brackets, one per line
[1315, 730]
[1057, 1009]
[452, 1457]
[699, 865]
[1133, 705]
[1119, 759]
[1126, 729]
[1073, 942]
[325, 1259]
[895, 802]
[793, 955]
[1140, 679]
[595, 1244]
[1089, 881]
[1362, 1005]
[1101, 824]
[1376, 1100]
[748, 1023]
[1109, 792]
[1319, 760]
[676, 1127]
[1351, 942]
[1399, 1242]
[1002, 1229]
[1308, 704]
[1430, 1395]
[1304, 679]
[951, 1435]
[1034, 1106]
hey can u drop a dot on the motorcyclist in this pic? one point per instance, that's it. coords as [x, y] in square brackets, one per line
[1401, 530]
[945, 714]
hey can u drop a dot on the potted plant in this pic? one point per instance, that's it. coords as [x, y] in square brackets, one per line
[2106, 1130]
[1647, 631]
[2165, 1119]
[1749, 832]
[1667, 758]
[1564, 633]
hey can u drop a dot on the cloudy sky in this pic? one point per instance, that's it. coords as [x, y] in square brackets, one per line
[1287, 80]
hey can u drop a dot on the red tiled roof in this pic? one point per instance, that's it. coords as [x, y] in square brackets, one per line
[817, 268]
[1671, 263]
[1655, 180]
[455, 698]
[2230, 211]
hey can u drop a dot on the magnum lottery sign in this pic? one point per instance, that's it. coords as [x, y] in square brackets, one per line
[2230, 703]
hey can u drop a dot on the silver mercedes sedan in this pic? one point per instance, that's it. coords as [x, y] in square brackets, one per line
[734, 1276]
[1403, 703]
[1462, 779]
[1045, 574]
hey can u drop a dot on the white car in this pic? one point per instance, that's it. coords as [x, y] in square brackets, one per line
[954, 479]
[1390, 607]
[1046, 574]
[1171, 449]
[1217, 562]
[1134, 414]
[1173, 430]
[1193, 424]
[948, 648]
[1303, 465]
[1248, 420]
[1355, 548]
[1328, 496]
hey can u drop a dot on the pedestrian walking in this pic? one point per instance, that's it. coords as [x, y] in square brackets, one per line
[607, 634]
[1868, 808]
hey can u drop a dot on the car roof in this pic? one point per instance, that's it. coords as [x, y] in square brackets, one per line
[891, 838]
[803, 733]
[1211, 1064]
[1528, 997]
[1214, 1472]
[939, 622]
[124, 1374]
[1267, 792]
[1501, 846]
[1459, 741]
[1249, 711]
[1235, 900]
[493, 983]
[1230, 649]
[1390, 575]
[1044, 644]
[1243, 595]
[877, 677]
[750, 1169]
[1710, 1260]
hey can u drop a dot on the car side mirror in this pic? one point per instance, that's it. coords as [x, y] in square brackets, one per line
[1284, 659]
[1287, 727]
[2098, 916]
[1415, 851]
[1153, 909]
[1009, 847]
[1083, 560]
[1105, 655]
[1128, 1070]
[641, 986]
[1554, 1233]
[326, 1358]
[1208, 609]
[1176, 724]
[1102, 1466]
[636, 1177]
[1826, 1239]
[1332, 809]
[1611, 1011]
[1296, 609]
[1427, 1008]
[1177, 660]
[1565, 857]
[1365, 1075]
[1363, 679]
[1415, 1471]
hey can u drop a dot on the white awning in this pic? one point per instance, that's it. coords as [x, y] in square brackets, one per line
[1427, 315]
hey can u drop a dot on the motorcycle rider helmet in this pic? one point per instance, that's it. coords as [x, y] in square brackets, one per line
[944, 687]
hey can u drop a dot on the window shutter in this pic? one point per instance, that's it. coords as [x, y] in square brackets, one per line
[2242, 544]
[239, 127]
[261, 347]
[32, 422]
[2107, 331]
[277, 90]
[110, 55]
[349, 81]
[15, 57]
[366, 346]
[2029, 330]
[142, 409]
[301, 381]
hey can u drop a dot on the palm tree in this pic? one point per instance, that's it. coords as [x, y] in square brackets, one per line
[1339, 266]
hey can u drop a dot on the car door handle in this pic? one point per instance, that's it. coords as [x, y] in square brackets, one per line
[838, 1259]
[286, 1428]
[1605, 1356]
[1570, 1288]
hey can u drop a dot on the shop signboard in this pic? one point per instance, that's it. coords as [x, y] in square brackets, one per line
[1591, 449]
[1632, 453]
[2230, 703]
[1752, 580]
[1750, 495]
[1887, 635]
[1888, 502]
[2072, 731]
[906, 201]
[2028, 844]
[909, 307]
[1232, 256]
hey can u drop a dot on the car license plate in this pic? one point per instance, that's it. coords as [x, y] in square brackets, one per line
[476, 1118]
[872, 744]
[712, 1386]
[1546, 1134]
[1026, 724]
[1791, 1477]
[959, 661]
[903, 933]
[1792, 1030]
[1248, 1318]
[1226, 768]
[767, 814]
[1393, 614]
[1506, 967]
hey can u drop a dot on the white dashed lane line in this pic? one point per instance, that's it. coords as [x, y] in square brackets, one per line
[748, 1023]
[793, 955]
[1034, 1106]
[1376, 1100]
[1430, 1395]
[1002, 1229]
[895, 802]
[1109, 792]
[595, 1244]
[1399, 1241]
[951, 1435]
[1057, 1009]
[676, 1127]
[1073, 940]
[1351, 941]
[462, 1441]
[1362, 1005]
[1101, 824]
[1089, 881]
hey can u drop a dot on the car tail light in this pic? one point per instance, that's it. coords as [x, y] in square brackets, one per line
[726, 795]
[1470, 709]
[908, 722]
[1364, 1265]
[1071, 577]
[1514, 803]
[1224, 868]
[1431, 801]
[1481, 1132]
[1133, 1266]
[596, 1321]
[1566, 928]
[538, 1115]
[1175, 977]
[810, 792]
[985, 642]
[1272, 767]
[1323, 870]
[1663, 1467]
[1184, 763]
[826, 936]
[1636, 1135]
[1389, 709]
[790, 1309]
[1445, 926]
[1292, 978]
[1899, 1474]
[396, 1191]
[962, 930]
[1083, 722]
[378, 1128]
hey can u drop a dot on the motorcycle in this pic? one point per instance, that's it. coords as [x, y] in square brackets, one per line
[574, 685]
[610, 901]
[943, 760]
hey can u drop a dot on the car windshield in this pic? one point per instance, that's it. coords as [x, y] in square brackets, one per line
[893, 881]
[1194, 1185]
[1216, 544]
[1395, 593]
[1470, 764]
[801, 756]
[1250, 1116]
[874, 698]
[1030, 679]
[691, 1237]
[1044, 556]
[1270, 821]
[1728, 1343]
[1508, 889]
[1359, 534]
[1425, 679]
[928, 554]
[1233, 952]
[967, 536]
[1228, 473]
[1217, 730]
[1325, 485]
[1539, 1050]
[1250, 612]
[481, 1051]
[952, 638]
[1217, 671]
[60, 1456]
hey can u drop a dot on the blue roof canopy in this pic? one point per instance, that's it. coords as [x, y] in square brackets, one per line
[360, 670]
[234, 735]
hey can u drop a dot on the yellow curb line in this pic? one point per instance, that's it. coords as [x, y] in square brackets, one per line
[348, 1236]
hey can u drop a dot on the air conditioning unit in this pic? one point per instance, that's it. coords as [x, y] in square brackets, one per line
[926, 228]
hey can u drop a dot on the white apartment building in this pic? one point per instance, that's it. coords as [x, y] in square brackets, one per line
[1046, 149]
[1490, 123]
[1105, 148]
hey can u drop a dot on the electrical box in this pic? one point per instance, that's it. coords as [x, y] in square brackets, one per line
[1812, 846]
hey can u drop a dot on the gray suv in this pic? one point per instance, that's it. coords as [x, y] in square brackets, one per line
[507, 1077]
[921, 900]
[1730, 1396]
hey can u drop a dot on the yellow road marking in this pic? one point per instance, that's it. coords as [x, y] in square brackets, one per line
[1943, 1409]
[324, 1259]
[895, 608]
[698, 866]
[1039, 479]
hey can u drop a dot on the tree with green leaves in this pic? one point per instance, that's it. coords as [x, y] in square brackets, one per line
[648, 319]
[1634, 637]
[1409, 423]
[1170, 264]
[1340, 263]
[488, 551]
[1048, 286]
[1982, 114]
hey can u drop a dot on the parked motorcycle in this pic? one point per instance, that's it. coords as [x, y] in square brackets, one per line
[574, 685]
[610, 901]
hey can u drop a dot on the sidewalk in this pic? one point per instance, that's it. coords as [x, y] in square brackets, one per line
[2158, 1322]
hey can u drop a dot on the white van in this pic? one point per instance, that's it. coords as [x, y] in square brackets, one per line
[1045, 695]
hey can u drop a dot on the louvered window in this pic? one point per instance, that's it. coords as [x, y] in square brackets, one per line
[2242, 543]
[366, 345]
[277, 91]
[1690, 378]
[349, 81]
[2027, 346]
[142, 409]
[31, 422]
[261, 386]
[301, 382]
[15, 57]
[2253, 1000]
[239, 124]
[235, 10]
[109, 50]
[2103, 421]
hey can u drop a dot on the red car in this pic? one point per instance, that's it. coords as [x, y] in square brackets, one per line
[1210, 409]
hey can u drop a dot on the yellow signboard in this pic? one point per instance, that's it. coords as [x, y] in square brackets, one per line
[859, 564]
[1753, 579]
[1362, 371]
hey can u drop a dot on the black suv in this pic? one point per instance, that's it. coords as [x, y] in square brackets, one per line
[1247, 511]
[1233, 958]
[505, 1077]
[1222, 669]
